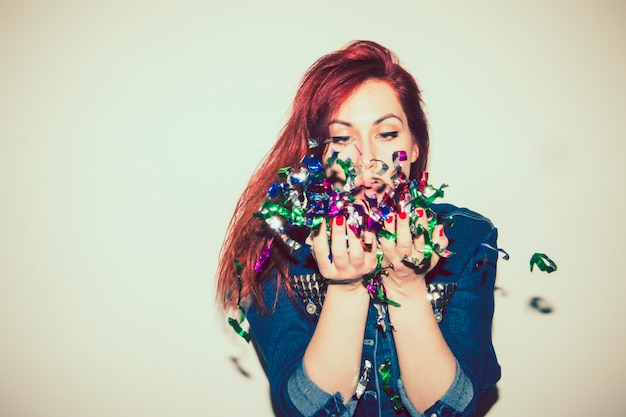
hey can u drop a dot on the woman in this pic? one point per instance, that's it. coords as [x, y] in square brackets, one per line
[416, 338]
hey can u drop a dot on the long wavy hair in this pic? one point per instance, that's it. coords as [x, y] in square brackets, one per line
[330, 81]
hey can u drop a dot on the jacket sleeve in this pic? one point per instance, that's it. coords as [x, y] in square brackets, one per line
[281, 337]
[458, 396]
[467, 323]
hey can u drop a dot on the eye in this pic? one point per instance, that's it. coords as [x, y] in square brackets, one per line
[339, 139]
[388, 135]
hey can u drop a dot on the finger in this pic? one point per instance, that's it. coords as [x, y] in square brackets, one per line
[415, 257]
[371, 260]
[320, 248]
[368, 238]
[404, 242]
[440, 241]
[387, 244]
[339, 247]
[368, 253]
[421, 227]
[436, 251]
[355, 247]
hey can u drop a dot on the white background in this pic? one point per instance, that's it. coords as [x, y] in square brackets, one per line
[129, 128]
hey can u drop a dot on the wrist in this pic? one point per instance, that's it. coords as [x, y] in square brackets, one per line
[351, 281]
[405, 290]
[353, 286]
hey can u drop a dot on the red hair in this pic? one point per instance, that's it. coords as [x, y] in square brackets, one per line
[329, 82]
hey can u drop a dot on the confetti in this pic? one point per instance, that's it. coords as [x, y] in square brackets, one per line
[385, 373]
[365, 377]
[239, 367]
[258, 266]
[303, 197]
[236, 323]
[504, 253]
[541, 305]
[543, 262]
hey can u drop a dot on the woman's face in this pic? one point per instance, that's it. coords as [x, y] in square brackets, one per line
[369, 127]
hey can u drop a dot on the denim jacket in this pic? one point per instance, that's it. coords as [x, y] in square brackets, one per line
[282, 336]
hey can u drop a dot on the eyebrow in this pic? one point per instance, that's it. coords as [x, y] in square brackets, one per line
[377, 122]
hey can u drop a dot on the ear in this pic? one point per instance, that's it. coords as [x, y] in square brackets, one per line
[415, 151]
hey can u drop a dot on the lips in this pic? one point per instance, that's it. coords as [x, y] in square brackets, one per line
[373, 185]
[369, 191]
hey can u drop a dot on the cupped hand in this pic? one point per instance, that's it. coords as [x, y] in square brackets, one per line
[404, 257]
[346, 256]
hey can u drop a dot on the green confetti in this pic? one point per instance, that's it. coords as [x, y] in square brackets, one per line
[543, 262]
[234, 323]
[385, 372]
[386, 234]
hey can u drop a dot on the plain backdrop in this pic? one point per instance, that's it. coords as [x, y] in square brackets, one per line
[129, 128]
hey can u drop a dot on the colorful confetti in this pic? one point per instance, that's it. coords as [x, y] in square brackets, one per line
[303, 197]
[236, 323]
[543, 262]
[385, 373]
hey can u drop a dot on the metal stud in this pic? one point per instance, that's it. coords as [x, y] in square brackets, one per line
[311, 308]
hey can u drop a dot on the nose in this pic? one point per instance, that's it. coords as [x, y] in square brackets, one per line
[364, 155]
[369, 169]
[368, 164]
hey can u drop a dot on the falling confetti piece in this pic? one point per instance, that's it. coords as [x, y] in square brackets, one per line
[543, 262]
[504, 253]
[541, 305]
[234, 322]
[385, 372]
[239, 368]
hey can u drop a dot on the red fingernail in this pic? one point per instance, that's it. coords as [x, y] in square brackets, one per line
[420, 212]
[441, 232]
[390, 219]
[402, 215]
[339, 220]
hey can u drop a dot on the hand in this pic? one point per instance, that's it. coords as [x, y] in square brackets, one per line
[352, 257]
[404, 256]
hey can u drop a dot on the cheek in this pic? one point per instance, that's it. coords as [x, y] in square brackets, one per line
[388, 158]
[405, 167]
[334, 170]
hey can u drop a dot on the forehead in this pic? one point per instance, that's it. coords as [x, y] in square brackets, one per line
[371, 100]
